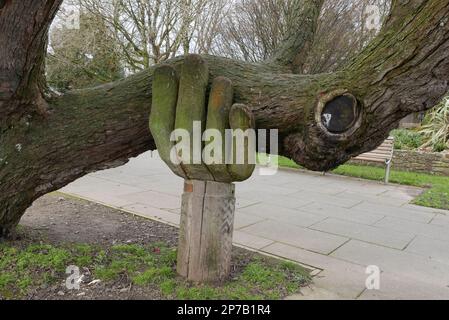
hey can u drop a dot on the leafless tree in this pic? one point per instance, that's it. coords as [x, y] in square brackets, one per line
[151, 31]
[344, 29]
[253, 30]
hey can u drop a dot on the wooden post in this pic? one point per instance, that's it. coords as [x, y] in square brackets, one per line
[207, 224]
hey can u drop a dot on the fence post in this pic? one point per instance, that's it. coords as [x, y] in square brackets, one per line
[207, 223]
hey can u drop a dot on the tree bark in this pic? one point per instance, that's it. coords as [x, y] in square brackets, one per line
[48, 141]
[23, 38]
[300, 35]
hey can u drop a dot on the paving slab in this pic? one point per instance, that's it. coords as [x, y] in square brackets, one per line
[312, 240]
[241, 202]
[404, 213]
[243, 220]
[287, 179]
[327, 199]
[384, 199]
[294, 217]
[373, 189]
[400, 287]
[390, 260]
[345, 279]
[440, 220]
[348, 281]
[154, 199]
[376, 235]
[284, 201]
[332, 189]
[433, 249]
[354, 215]
[264, 189]
[250, 241]
[429, 230]
[304, 256]
[314, 292]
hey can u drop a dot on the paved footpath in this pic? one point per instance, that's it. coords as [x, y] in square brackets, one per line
[337, 225]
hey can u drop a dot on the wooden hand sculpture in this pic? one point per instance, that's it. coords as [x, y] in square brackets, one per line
[208, 202]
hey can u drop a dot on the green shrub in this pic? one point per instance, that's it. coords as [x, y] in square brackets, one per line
[405, 139]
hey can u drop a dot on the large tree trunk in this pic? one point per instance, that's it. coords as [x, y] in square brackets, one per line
[47, 140]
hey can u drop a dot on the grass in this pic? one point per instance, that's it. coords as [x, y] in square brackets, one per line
[436, 195]
[33, 266]
[25, 269]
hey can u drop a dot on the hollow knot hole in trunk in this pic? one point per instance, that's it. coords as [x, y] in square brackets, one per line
[338, 114]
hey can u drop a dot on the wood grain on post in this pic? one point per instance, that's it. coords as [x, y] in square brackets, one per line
[205, 242]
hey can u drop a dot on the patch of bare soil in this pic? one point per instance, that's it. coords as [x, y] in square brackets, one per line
[57, 219]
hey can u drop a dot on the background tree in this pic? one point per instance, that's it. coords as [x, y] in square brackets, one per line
[343, 31]
[83, 57]
[47, 140]
[253, 29]
[152, 31]
[241, 29]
